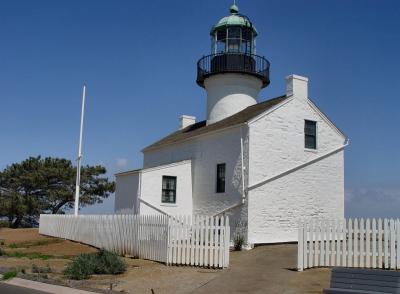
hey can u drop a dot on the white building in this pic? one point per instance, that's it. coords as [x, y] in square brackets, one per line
[265, 164]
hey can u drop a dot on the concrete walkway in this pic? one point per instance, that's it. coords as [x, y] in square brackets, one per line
[33, 287]
[267, 269]
[10, 289]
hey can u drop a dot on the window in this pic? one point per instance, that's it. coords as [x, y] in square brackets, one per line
[168, 189]
[234, 39]
[221, 178]
[310, 134]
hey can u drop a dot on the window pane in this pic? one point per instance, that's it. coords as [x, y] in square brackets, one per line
[221, 34]
[245, 47]
[310, 127]
[310, 142]
[234, 33]
[220, 46]
[233, 45]
[246, 34]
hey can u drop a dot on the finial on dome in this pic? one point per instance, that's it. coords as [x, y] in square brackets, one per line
[234, 9]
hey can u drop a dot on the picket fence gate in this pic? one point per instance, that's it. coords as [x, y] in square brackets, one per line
[174, 240]
[363, 243]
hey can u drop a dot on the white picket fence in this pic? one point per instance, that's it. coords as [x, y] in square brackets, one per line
[203, 242]
[175, 240]
[368, 243]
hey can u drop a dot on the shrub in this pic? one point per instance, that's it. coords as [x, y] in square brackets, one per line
[2, 252]
[4, 224]
[108, 263]
[81, 267]
[238, 242]
[103, 262]
[13, 245]
[41, 270]
[10, 274]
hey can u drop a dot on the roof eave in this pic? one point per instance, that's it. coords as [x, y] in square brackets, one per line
[149, 148]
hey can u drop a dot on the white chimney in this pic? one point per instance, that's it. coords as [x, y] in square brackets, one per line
[186, 120]
[297, 86]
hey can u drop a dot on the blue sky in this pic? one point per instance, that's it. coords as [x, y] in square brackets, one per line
[138, 59]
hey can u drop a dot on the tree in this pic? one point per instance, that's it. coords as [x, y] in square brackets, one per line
[47, 185]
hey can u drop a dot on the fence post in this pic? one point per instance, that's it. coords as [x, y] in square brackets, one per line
[362, 251]
[374, 241]
[350, 244]
[355, 243]
[300, 246]
[227, 241]
[344, 244]
[386, 242]
[368, 243]
[311, 245]
[392, 245]
[398, 243]
[305, 244]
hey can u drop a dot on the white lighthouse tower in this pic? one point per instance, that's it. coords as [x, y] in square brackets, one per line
[232, 74]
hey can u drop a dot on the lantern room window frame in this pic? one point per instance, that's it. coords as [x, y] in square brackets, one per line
[233, 39]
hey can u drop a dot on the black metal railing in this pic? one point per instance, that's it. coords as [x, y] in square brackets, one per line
[233, 63]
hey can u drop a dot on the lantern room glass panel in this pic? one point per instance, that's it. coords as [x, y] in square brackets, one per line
[233, 39]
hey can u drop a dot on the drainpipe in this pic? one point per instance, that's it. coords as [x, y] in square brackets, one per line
[242, 165]
[139, 194]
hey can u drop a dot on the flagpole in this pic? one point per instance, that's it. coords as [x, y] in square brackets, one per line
[78, 166]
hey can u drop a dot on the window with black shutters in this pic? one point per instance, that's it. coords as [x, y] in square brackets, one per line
[168, 189]
[221, 178]
[310, 134]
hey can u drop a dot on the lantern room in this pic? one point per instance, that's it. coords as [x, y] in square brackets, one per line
[233, 50]
[233, 34]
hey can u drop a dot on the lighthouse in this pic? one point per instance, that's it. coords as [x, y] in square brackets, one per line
[233, 74]
[265, 164]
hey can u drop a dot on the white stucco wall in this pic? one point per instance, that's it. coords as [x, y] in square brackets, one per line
[205, 153]
[313, 192]
[276, 145]
[228, 94]
[151, 188]
[126, 192]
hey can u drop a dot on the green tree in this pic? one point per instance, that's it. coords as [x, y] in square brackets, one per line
[47, 185]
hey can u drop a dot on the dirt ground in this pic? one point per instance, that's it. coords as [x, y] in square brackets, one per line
[265, 269]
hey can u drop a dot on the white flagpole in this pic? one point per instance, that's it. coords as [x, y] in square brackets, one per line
[78, 166]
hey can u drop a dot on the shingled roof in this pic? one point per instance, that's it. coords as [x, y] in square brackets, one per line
[201, 127]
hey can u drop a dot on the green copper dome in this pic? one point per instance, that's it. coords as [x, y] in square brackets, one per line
[235, 19]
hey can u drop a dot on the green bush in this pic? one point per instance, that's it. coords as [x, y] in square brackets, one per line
[81, 267]
[238, 242]
[108, 263]
[103, 262]
[10, 274]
